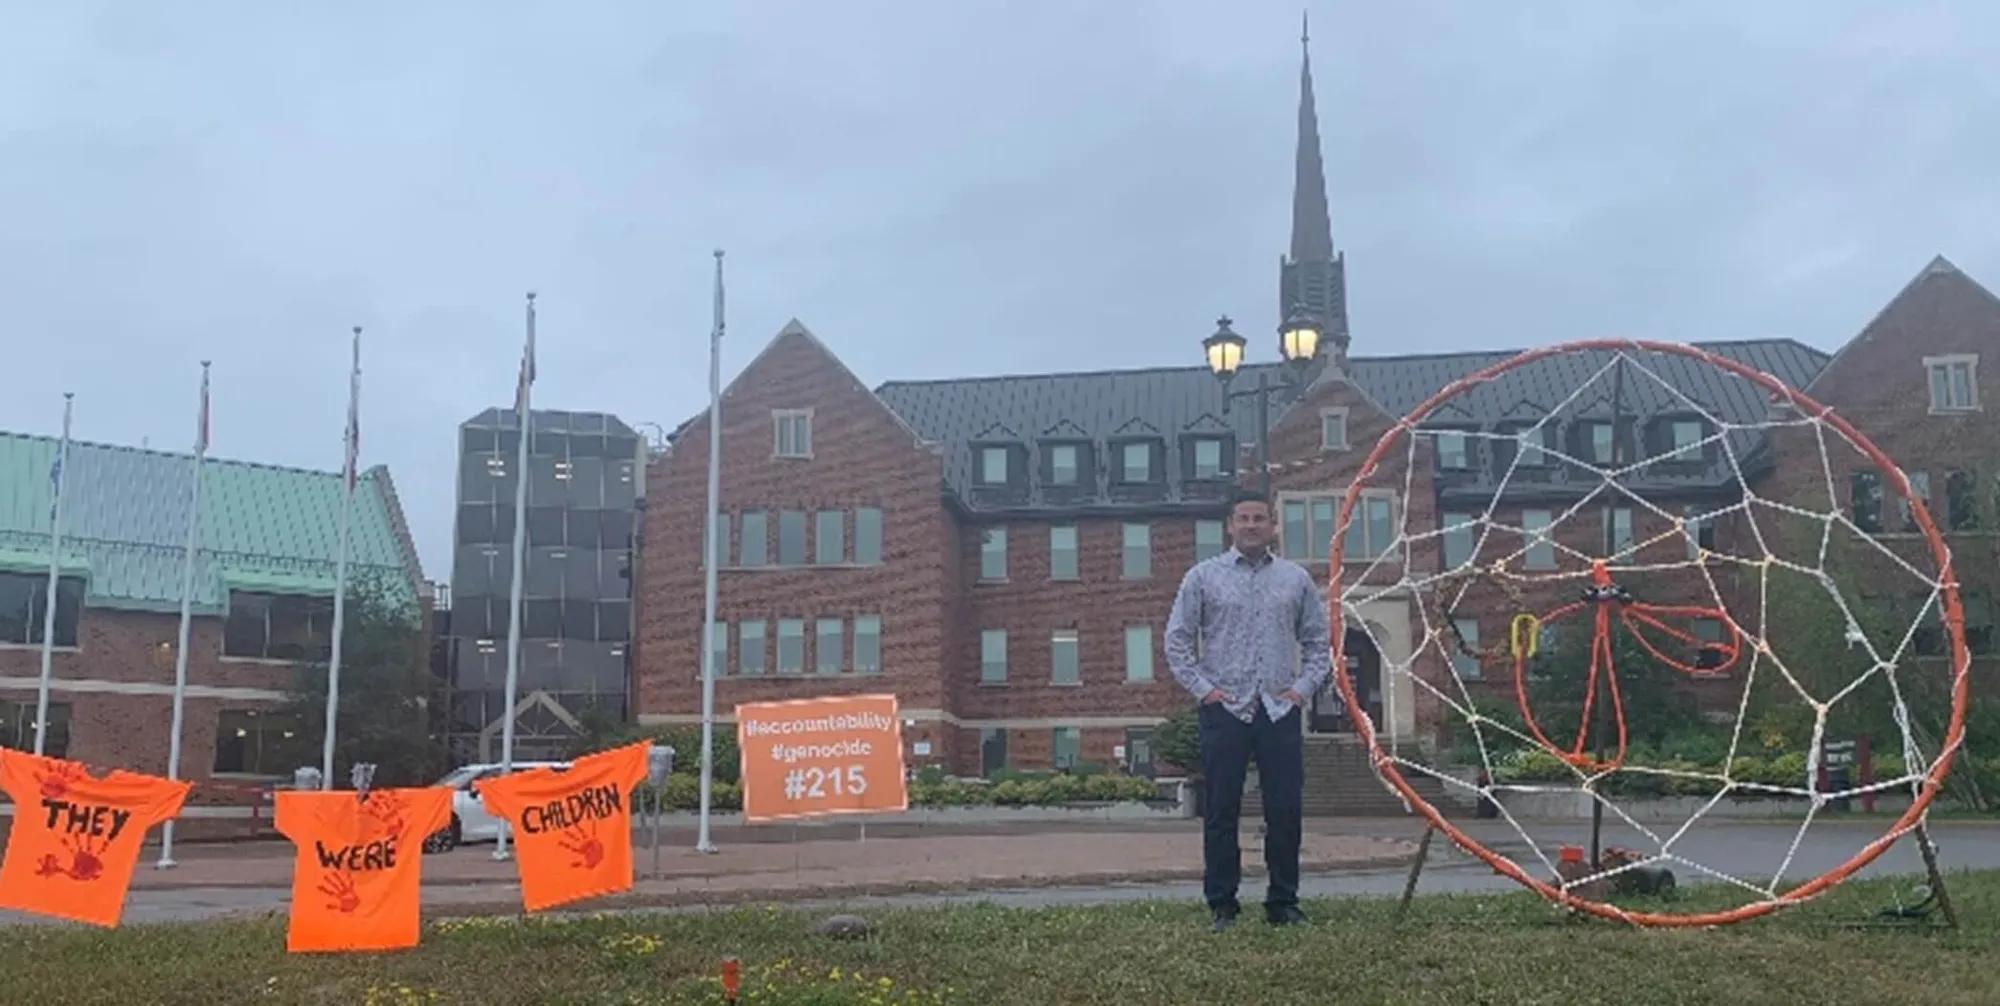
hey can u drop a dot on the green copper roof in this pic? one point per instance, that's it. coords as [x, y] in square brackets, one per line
[125, 513]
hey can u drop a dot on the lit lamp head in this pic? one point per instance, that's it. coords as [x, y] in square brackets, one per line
[1298, 337]
[1224, 351]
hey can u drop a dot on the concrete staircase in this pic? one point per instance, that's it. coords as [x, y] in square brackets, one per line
[1339, 783]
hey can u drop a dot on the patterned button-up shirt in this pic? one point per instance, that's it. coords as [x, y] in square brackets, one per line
[1261, 629]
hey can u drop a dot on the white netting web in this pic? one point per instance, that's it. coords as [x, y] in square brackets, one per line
[1710, 595]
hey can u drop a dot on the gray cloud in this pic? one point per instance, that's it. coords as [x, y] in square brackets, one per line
[936, 189]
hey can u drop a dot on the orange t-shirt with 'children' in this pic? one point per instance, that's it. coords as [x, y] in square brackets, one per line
[76, 838]
[573, 827]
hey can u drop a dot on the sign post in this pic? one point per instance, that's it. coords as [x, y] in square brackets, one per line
[815, 757]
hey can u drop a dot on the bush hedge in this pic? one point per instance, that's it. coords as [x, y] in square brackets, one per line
[1526, 765]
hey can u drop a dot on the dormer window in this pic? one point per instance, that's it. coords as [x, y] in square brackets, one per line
[993, 466]
[1138, 462]
[1207, 458]
[1679, 438]
[1454, 450]
[1063, 469]
[1595, 441]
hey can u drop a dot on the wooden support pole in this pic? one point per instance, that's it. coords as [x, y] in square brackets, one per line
[1937, 877]
[1416, 869]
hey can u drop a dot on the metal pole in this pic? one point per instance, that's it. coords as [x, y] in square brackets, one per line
[702, 842]
[659, 805]
[520, 562]
[1610, 669]
[166, 861]
[1264, 429]
[55, 576]
[348, 475]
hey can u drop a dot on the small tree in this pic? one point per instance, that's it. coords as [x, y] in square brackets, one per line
[1177, 741]
[386, 689]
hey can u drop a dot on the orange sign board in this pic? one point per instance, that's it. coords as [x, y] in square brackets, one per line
[811, 757]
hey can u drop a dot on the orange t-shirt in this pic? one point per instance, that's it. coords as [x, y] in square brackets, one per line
[572, 827]
[354, 883]
[76, 838]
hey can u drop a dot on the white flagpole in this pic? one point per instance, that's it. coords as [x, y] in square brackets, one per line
[523, 410]
[350, 440]
[55, 575]
[708, 668]
[187, 610]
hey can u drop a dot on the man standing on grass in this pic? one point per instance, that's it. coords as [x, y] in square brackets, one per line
[1263, 648]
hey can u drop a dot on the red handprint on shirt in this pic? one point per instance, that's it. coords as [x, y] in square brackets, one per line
[382, 815]
[581, 840]
[54, 785]
[86, 860]
[340, 887]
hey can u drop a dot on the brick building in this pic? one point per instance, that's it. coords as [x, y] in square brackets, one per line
[1002, 552]
[263, 586]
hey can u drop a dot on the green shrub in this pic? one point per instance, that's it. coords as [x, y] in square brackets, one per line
[1532, 765]
[1177, 741]
[930, 774]
[1788, 770]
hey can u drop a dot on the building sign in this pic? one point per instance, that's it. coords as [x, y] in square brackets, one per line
[812, 757]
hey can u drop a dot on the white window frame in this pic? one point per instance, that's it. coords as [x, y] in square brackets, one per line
[1139, 665]
[1327, 443]
[1075, 550]
[993, 535]
[988, 638]
[986, 453]
[1370, 548]
[854, 637]
[1056, 639]
[1128, 549]
[779, 417]
[1934, 364]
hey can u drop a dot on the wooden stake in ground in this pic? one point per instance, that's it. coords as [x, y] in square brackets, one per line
[1937, 878]
[1416, 869]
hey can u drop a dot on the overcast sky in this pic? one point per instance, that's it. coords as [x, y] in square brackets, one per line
[936, 189]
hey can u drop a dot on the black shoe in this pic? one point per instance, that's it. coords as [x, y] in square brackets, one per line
[1286, 916]
[1221, 921]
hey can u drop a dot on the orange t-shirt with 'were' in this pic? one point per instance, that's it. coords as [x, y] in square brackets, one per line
[76, 838]
[355, 880]
[572, 827]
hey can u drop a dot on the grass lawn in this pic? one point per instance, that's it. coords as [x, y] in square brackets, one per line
[1451, 949]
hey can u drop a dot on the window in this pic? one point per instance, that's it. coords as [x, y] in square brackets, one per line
[1699, 528]
[1599, 442]
[792, 538]
[992, 750]
[1333, 429]
[719, 644]
[827, 648]
[1954, 382]
[1063, 469]
[750, 646]
[250, 742]
[1208, 458]
[791, 431]
[1617, 529]
[1864, 490]
[1062, 552]
[993, 553]
[277, 627]
[1138, 551]
[1138, 653]
[1708, 630]
[1961, 502]
[1139, 752]
[1306, 524]
[868, 536]
[1533, 446]
[791, 645]
[830, 537]
[1920, 487]
[1978, 607]
[1062, 657]
[1135, 462]
[993, 466]
[1464, 664]
[1453, 453]
[756, 538]
[24, 606]
[993, 657]
[1067, 747]
[1207, 539]
[1684, 440]
[867, 644]
[1541, 551]
[721, 541]
[17, 727]
[1458, 539]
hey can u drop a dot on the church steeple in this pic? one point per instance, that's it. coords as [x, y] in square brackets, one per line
[1313, 276]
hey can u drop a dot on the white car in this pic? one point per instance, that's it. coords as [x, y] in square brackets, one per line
[469, 820]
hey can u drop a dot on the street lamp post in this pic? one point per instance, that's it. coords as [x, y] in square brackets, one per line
[1298, 345]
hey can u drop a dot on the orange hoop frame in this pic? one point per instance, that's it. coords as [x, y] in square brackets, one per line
[1954, 621]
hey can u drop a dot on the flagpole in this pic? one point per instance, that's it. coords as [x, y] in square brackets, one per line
[187, 610]
[55, 576]
[708, 668]
[351, 447]
[523, 411]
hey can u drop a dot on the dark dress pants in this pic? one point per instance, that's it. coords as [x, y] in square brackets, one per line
[1227, 747]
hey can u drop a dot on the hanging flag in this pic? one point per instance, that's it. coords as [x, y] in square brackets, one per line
[55, 485]
[574, 827]
[201, 433]
[527, 376]
[356, 875]
[353, 465]
[72, 857]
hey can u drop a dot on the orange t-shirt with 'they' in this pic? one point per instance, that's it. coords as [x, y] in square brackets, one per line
[573, 826]
[354, 883]
[76, 838]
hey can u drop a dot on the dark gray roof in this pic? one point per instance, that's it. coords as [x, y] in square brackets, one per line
[552, 421]
[1171, 403]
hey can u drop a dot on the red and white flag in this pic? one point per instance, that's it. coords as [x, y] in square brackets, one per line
[353, 437]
